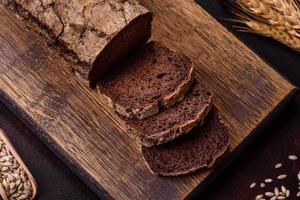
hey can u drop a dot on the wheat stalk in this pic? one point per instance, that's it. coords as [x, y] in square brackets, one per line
[279, 19]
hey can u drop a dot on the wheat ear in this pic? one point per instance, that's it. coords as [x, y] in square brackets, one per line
[279, 19]
[274, 32]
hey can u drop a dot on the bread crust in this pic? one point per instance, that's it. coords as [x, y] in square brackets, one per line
[82, 31]
[152, 108]
[179, 94]
[169, 135]
[191, 170]
[194, 168]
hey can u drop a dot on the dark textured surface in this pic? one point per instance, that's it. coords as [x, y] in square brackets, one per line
[57, 182]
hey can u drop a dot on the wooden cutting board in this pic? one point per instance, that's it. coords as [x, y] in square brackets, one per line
[38, 86]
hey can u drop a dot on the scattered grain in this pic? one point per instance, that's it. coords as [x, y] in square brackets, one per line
[274, 198]
[259, 197]
[281, 176]
[269, 194]
[252, 185]
[298, 194]
[262, 185]
[283, 189]
[293, 157]
[281, 197]
[278, 165]
[287, 193]
[268, 180]
[276, 191]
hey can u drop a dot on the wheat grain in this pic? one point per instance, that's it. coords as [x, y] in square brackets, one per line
[293, 157]
[269, 194]
[13, 178]
[268, 180]
[279, 19]
[276, 191]
[258, 10]
[278, 165]
[287, 194]
[283, 189]
[274, 32]
[281, 176]
[252, 185]
[275, 12]
[289, 10]
[281, 197]
[259, 197]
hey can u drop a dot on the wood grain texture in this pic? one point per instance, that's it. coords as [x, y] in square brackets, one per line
[76, 123]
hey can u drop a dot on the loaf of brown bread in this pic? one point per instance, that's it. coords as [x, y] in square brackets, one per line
[93, 34]
[153, 77]
[193, 151]
[172, 122]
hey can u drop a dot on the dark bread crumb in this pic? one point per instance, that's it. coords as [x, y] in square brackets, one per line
[172, 122]
[155, 76]
[188, 153]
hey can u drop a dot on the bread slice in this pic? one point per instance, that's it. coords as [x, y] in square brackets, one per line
[94, 35]
[153, 77]
[191, 152]
[174, 121]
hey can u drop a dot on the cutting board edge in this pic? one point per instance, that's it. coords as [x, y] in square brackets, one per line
[97, 188]
[53, 146]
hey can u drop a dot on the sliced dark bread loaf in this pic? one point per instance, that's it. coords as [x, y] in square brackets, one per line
[172, 122]
[191, 152]
[153, 77]
[94, 35]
